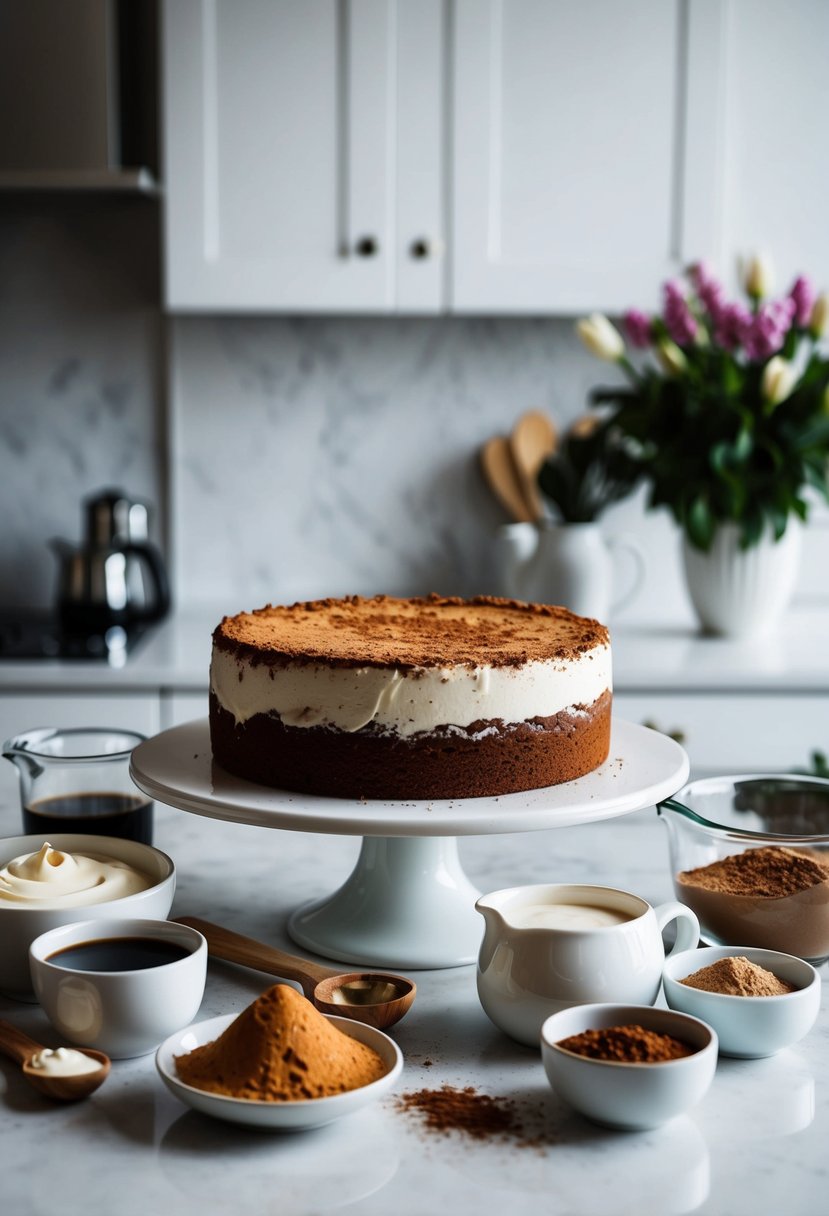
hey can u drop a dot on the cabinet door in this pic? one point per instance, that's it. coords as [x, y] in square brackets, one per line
[775, 171]
[421, 157]
[28, 711]
[585, 161]
[278, 125]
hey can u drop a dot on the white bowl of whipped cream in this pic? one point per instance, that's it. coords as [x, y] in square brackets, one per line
[72, 877]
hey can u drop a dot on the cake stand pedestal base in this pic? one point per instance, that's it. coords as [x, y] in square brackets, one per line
[406, 904]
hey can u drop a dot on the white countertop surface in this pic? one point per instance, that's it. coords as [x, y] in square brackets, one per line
[756, 1144]
[176, 655]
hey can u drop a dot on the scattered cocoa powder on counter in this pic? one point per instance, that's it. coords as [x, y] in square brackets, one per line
[463, 1110]
[626, 1045]
[738, 976]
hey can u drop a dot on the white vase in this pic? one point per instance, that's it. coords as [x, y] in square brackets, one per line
[742, 593]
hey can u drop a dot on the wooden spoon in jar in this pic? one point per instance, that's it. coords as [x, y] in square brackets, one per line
[533, 439]
[68, 1088]
[373, 997]
[500, 474]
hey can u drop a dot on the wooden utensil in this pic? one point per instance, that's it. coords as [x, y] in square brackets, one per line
[373, 997]
[500, 474]
[20, 1047]
[533, 439]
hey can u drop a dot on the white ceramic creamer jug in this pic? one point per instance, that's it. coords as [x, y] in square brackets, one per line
[568, 564]
[548, 947]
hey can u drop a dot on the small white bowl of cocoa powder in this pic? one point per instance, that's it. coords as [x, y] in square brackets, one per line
[758, 1001]
[631, 1067]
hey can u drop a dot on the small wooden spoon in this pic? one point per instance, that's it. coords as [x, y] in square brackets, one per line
[20, 1047]
[373, 997]
[533, 439]
[499, 472]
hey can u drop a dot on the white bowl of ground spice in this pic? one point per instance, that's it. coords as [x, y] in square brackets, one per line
[279, 1064]
[630, 1067]
[758, 1001]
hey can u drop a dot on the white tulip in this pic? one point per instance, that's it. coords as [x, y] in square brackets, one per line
[820, 315]
[779, 378]
[601, 337]
[758, 277]
[671, 357]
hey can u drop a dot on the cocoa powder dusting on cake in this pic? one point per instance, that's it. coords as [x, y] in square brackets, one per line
[431, 631]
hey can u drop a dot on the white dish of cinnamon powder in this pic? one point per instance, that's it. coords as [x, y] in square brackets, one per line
[281, 1116]
[751, 1015]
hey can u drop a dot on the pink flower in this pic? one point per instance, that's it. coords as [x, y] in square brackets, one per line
[769, 327]
[638, 327]
[709, 289]
[804, 295]
[679, 320]
[732, 325]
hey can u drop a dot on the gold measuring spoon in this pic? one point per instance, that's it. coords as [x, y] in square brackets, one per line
[68, 1088]
[373, 997]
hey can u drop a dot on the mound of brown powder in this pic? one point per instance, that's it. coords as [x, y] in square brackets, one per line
[771, 872]
[737, 976]
[280, 1049]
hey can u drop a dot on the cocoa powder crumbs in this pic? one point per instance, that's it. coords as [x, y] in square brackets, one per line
[464, 1110]
[771, 872]
[626, 1045]
[738, 976]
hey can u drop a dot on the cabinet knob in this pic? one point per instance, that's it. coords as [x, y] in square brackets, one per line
[367, 247]
[423, 247]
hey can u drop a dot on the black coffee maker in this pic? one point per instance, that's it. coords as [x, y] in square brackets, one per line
[115, 577]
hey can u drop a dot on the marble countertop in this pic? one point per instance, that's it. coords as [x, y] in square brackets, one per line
[756, 1143]
[176, 655]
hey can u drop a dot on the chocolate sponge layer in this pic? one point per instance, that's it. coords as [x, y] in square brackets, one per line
[484, 759]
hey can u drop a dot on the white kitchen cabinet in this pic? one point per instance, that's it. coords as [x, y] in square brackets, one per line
[65, 708]
[289, 184]
[485, 156]
[180, 707]
[584, 150]
[774, 123]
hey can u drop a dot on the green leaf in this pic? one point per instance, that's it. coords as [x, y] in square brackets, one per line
[700, 523]
[752, 529]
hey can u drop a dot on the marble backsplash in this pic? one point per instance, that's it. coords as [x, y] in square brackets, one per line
[285, 458]
[80, 359]
[333, 456]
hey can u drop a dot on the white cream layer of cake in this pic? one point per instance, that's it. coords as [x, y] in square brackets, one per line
[406, 702]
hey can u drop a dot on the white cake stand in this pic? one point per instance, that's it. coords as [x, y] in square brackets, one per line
[407, 903]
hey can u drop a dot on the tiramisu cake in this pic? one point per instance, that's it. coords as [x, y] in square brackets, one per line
[410, 699]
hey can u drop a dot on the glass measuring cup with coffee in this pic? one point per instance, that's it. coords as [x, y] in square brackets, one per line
[78, 780]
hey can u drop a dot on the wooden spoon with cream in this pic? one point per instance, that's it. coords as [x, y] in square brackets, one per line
[51, 1073]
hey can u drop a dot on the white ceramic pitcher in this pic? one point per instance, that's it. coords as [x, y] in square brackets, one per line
[527, 973]
[568, 564]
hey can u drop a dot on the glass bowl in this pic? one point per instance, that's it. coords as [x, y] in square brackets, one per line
[778, 900]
